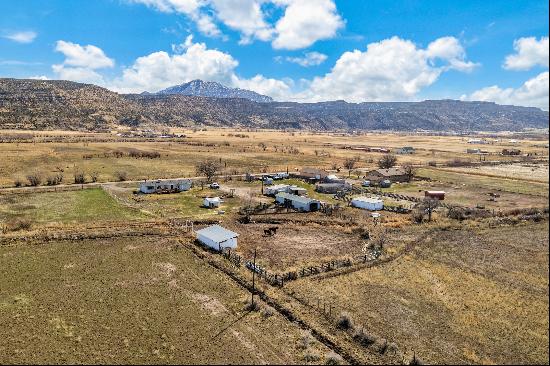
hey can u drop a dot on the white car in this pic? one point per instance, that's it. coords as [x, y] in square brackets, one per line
[215, 185]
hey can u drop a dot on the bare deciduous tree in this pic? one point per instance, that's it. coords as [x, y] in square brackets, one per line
[409, 171]
[387, 161]
[94, 176]
[429, 205]
[208, 168]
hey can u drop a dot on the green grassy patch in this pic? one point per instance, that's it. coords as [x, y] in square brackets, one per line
[67, 206]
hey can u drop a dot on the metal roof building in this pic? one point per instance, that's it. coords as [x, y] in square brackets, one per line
[217, 237]
[298, 202]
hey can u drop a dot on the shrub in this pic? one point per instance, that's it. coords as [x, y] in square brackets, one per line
[311, 356]
[432, 163]
[79, 178]
[252, 306]
[333, 359]
[267, 312]
[34, 179]
[54, 180]
[305, 340]
[363, 338]
[18, 182]
[16, 225]
[94, 176]
[121, 175]
[344, 321]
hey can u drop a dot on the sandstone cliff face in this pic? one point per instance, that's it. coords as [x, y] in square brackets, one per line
[37, 104]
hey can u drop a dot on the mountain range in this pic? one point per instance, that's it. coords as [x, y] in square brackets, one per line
[58, 104]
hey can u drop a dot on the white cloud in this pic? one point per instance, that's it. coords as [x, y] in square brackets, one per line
[449, 49]
[89, 56]
[160, 70]
[303, 23]
[81, 62]
[245, 16]
[21, 37]
[277, 89]
[392, 69]
[39, 77]
[309, 59]
[530, 52]
[306, 22]
[533, 93]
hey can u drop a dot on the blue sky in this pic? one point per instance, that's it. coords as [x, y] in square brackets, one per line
[303, 50]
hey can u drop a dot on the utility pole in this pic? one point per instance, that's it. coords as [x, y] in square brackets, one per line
[253, 277]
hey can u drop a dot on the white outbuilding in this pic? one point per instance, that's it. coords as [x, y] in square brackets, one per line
[299, 203]
[367, 203]
[217, 237]
[212, 202]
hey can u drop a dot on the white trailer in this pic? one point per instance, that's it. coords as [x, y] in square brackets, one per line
[367, 203]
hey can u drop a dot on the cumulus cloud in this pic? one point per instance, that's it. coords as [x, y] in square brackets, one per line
[303, 22]
[21, 37]
[306, 22]
[533, 93]
[530, 52]
[81, 62]
[160, 70]
[392, 69]
[245, 16]
[309, 59]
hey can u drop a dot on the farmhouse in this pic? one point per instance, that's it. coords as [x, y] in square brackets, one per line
[165, 185]
[212, 202]
[332, 187]
[298, 202]
[313, 173]
[366, 203]
[511, 151]
[407, 150]
[438, 195]
[217, 237]
[391, 174]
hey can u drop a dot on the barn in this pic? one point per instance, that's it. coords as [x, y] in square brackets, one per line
[299, 203]
[217, 237]
[367, 203]
[165, 185]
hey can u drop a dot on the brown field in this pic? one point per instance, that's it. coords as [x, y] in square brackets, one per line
[126, 301]
[96, 273]
[459, 297]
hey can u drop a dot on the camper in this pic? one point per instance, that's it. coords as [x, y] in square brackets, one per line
[366, 203]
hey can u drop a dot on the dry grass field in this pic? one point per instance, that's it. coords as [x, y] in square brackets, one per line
[459, 297]
[126, 301]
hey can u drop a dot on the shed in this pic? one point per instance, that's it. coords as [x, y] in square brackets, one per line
[298, 202]
[439, 195]
[212, 202]
[366, 203]
[298, 191]
[217, 237]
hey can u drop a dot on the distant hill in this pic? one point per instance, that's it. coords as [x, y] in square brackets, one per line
[199, 88]
[39, 104]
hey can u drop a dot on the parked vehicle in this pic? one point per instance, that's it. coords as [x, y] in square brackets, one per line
[214, 186]
[366, 183]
